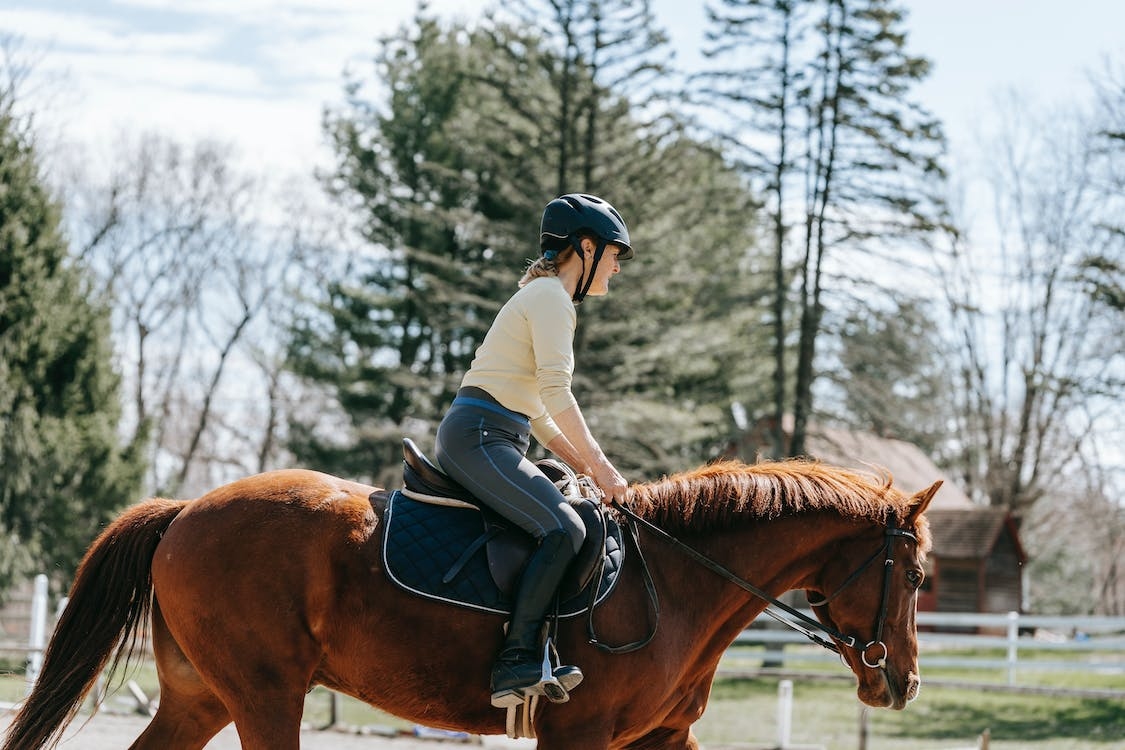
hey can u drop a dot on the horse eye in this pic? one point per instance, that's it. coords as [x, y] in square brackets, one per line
[914, 578]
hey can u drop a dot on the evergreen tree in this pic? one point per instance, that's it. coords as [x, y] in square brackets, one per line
[591, 62]
[682, 336]
[754, 94]
[450, 181]
[391, 348]
[65, 471]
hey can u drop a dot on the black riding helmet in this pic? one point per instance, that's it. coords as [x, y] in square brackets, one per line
[568, 217]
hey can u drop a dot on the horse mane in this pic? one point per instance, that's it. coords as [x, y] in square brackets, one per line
[725, 492]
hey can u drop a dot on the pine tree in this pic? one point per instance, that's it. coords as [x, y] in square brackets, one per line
[391, 348]
[65, 471]
[681, 337]
[448, 154]
[589, 63]
[891, 378]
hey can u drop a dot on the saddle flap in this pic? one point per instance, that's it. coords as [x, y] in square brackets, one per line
[585, 566]
[508, 551]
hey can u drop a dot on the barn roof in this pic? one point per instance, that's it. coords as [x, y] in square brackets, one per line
[969, 534]
[911, 468]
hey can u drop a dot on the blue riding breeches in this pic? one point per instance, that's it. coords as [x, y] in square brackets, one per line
[483, 446]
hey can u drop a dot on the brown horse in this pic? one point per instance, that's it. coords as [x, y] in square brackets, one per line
[267, 586]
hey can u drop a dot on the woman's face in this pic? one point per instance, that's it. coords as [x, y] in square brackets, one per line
[607, 266]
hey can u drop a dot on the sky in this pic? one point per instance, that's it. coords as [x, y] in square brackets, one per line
[258, 73]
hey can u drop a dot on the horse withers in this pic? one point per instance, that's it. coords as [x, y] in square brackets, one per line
[272, 584]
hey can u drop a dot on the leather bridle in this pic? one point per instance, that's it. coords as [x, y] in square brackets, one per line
[889, 535]
[804, 624]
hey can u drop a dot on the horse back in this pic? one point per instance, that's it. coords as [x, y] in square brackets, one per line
[270, 546]
[287, 508]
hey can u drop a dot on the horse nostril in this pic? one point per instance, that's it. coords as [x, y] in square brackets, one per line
[913, 686]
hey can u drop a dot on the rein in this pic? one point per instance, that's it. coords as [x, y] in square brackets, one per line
[806, 625]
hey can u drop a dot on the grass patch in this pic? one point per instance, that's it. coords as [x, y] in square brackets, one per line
[828, 714]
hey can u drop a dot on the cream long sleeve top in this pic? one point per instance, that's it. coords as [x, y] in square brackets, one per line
[526, 361]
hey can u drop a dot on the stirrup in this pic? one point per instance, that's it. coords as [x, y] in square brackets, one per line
[569, 676]
[549, 686]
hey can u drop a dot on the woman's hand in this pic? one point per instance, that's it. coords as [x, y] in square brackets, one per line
[577, 447]
[609, 481]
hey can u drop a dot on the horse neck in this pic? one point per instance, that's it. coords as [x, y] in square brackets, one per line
[776, 556]
[789, 551]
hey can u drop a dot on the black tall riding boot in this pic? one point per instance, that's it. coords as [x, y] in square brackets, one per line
[523, 667]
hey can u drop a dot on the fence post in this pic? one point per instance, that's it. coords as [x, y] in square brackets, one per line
[1013, 639]
[784, 712]
[38, 635]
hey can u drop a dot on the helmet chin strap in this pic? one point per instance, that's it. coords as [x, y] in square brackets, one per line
[581, 289]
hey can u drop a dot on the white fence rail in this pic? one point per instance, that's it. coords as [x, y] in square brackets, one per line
[1011, 642]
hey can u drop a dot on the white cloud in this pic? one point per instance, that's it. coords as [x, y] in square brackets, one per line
[192, 63]
[82, 31]
[182, 73]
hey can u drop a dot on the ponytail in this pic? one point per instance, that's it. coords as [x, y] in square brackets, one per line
[545, 265]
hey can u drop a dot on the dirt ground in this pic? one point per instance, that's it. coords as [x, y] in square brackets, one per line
[116, 732]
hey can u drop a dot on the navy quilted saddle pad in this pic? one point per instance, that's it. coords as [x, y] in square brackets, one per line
[442, 553]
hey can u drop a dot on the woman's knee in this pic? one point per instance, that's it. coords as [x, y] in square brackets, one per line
[572, 524]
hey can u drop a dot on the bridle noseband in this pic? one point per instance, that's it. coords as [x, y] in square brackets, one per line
[805, 624]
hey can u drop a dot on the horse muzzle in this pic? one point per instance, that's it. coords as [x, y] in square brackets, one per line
[882, 688]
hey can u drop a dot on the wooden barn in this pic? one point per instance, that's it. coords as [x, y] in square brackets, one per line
[976, 564]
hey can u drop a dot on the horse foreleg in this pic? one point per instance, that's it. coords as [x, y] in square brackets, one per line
[593, 738]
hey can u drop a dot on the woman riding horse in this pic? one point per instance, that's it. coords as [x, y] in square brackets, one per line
[272, 584]
[518, 386]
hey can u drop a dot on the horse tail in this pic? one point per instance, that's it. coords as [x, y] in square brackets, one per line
[108, 606]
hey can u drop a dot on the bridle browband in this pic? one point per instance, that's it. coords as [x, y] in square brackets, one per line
[804, 625]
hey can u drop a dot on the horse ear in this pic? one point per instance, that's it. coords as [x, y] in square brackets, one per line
[921, 501]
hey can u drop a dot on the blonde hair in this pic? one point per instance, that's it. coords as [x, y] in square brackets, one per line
[541, 267]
